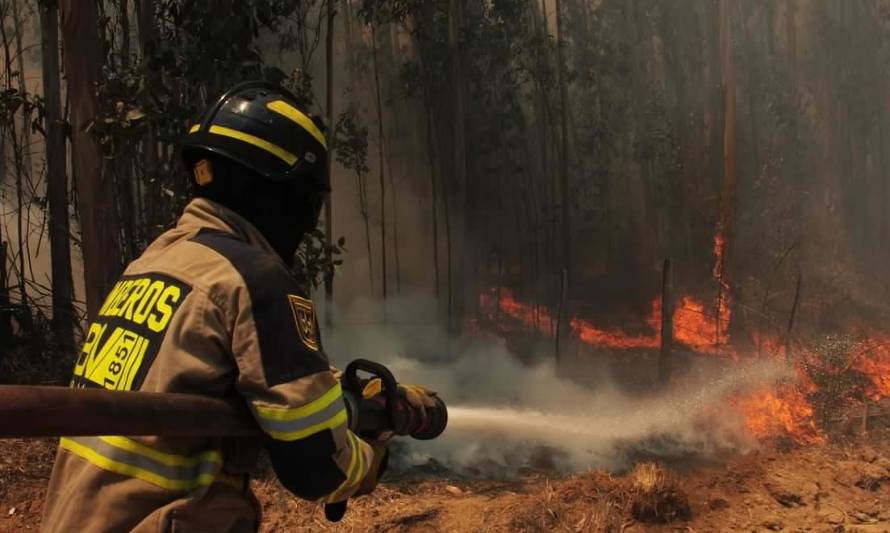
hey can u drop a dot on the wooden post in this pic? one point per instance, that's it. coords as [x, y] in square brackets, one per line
[561, 318]
[865, 418]
[667, 324]
[788, 358]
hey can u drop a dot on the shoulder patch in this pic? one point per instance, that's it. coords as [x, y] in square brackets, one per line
[304, 316]
[289, 347]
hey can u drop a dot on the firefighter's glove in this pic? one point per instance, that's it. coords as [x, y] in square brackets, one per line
[378, 467]
[419, 397]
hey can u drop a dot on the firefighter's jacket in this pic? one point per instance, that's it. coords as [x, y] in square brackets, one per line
[209, 309]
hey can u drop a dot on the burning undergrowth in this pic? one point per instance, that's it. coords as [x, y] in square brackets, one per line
[507, 417]
[825, 376]
[731, 395]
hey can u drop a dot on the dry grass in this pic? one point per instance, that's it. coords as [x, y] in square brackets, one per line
[656, 496]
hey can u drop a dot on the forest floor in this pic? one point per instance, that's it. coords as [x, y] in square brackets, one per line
[836, 487]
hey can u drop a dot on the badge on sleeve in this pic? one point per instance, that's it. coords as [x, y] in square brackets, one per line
[304, 316]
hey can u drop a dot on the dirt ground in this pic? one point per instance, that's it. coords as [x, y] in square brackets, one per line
[840, 487]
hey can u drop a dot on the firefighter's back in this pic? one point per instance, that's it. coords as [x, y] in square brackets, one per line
[164, 327]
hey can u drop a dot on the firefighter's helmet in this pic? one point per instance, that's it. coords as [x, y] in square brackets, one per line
[261, 126]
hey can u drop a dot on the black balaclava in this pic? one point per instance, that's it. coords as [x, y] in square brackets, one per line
[283, 212]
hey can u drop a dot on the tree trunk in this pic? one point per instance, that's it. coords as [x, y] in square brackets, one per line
[459, 178]
[727, 196]
[563, 171]
[98, 223]
[328, 209]
[151, 189]
[363, 199]
[17, 159]
[431, 147]
[5, 322]
[380, 157]
[667, 324]
[57, 181]
[395, 220]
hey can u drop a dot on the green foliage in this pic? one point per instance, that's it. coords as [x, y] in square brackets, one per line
[383, 11]
[147, 102]
[316, 260]
[13, 102]
[351, 151]
[196, 56]
[351, 142]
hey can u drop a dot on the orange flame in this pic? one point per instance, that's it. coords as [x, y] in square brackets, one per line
[872, 358]
[612, 338]
[781, 411]
[694, 327]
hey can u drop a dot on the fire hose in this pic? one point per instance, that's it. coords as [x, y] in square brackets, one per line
[45, 411]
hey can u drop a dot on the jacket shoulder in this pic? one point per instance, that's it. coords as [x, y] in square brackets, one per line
[283, 318]
[257, 268]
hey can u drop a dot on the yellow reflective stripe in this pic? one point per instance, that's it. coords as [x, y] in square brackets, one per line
[107, 463]
[360, 450]
[355, 462]
[283, 108]
[262, 144]
[194, 128]
[293, 413]
[161, 457]
[355, 448]
[336, 420]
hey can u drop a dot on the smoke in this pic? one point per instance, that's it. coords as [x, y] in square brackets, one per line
[506, 415]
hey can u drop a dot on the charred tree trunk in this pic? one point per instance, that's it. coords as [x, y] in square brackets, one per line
[18, 163]
[563, 169]
[726, 215]
[380, 156]
[667, 323]
[431, 154]
[395, 221]
[5, 322]
[57, 181]
[459, 162]
[98, 223]
[126, 183]
[20, 62]
[328, 208]
[151, 183]
[125, 32]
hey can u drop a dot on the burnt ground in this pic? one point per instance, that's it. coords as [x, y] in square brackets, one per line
[838, 487]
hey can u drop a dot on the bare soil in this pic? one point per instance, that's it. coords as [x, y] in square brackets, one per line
[839, 487]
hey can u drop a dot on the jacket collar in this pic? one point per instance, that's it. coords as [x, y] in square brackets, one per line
[202, 213]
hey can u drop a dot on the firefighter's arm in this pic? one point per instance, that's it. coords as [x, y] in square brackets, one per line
[287, 382]
[313, 453]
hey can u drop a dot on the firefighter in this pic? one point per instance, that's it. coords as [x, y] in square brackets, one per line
[211, 308]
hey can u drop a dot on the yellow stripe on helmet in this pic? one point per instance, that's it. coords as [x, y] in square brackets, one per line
[262, 144]
[194, 128]
[283, 108]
